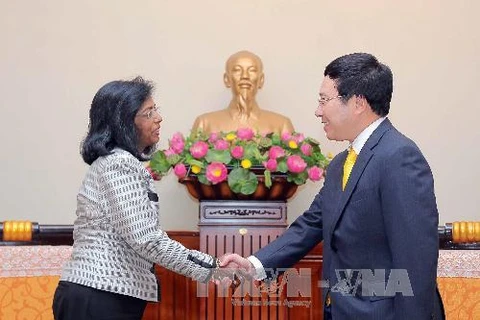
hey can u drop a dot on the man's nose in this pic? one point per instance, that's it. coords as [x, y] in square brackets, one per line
[245, 74]
[319, 112]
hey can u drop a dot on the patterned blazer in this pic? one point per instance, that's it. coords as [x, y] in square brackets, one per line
[117, 234]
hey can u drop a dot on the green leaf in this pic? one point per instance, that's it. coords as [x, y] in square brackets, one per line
[265, 142]
[203, 179]
[188, 158]
[242, 181]
[159, 163]
[174, 159]
[251, 152]
[195, 162]
[259, 158]
[276, 140]
[268, 178]
[197, 135]
[222, 156]
[299, 178]
[282, 166]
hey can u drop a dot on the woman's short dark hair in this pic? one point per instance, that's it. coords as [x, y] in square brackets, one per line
[112, 119]
[361, 74]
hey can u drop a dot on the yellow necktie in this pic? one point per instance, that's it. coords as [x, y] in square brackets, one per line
[347, 167]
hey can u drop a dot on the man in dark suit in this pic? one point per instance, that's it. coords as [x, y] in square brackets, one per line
[376, 213]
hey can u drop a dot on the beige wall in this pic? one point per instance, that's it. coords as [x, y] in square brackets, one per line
[55, 55]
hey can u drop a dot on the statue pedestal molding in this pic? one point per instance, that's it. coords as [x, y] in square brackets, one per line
[241, 227]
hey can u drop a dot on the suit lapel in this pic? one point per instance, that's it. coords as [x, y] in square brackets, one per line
[337, 172]
[362, 160]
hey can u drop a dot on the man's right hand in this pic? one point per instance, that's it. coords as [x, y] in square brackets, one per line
[235, 261]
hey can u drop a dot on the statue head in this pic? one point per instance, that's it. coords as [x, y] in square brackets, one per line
[244, 75]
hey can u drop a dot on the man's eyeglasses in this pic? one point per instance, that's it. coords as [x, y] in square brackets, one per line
[150, 113]
[323, 100]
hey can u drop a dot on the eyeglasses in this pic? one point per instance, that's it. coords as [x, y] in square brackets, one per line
[150, 113]
[323, 100]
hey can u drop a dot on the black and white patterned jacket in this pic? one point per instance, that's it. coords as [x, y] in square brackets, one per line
[117, 234]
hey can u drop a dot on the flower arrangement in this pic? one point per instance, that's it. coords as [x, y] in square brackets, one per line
[239, 156]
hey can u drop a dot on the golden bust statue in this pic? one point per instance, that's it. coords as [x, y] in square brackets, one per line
[244, 75]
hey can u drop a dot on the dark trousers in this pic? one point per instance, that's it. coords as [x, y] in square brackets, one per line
[76, 302]
[327, 313]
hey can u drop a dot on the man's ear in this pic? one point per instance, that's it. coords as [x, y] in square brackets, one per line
[261, 81]
[226, 80]
[361, 104]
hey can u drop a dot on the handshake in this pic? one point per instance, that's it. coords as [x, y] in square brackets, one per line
[229, 266]
[232, 269]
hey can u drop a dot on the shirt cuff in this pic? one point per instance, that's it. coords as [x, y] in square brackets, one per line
[259, 270]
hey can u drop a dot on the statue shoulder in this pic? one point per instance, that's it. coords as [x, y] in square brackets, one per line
[275, 115]
[206, 120]
[284, 122]
[211, 114]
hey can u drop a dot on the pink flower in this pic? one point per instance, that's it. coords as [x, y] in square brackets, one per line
[299, 137]
[286, 136]
[177, 143]
[245, 133]
[216, 172]
[237, 152]
[315, 173]
[271, 164]
[169, 152]
[221, 145]
[296, 164]
[306, 149]
[199, 149]
[180, 170]
[213, 137]
[276, 152]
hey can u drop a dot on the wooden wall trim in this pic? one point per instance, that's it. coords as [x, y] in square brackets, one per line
[46, 234]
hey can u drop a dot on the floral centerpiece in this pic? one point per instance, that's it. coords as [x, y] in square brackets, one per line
[240, 157]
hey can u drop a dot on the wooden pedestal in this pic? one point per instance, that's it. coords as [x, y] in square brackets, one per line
[244, 227]
[240, 227]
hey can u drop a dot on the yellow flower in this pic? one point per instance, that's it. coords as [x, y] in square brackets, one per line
[292, 144]
[231, 136]
[329, 156]
[246, 163]
[196, 169]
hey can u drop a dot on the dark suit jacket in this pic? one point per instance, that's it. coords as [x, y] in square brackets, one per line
[385, 221]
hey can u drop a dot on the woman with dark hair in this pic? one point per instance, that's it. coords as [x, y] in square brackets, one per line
[117, 235]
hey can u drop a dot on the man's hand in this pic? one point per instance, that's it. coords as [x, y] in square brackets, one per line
[237, 268]
[234, 261]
